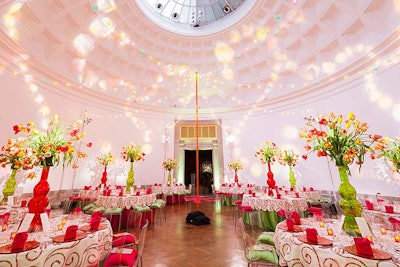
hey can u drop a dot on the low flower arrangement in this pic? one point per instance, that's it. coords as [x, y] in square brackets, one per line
[235, 165]
[133, 152]
[106, 159]
[169, 164]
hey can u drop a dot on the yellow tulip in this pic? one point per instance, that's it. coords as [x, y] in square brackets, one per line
[351, 116]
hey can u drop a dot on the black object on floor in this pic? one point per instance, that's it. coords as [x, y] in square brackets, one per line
[197, 218]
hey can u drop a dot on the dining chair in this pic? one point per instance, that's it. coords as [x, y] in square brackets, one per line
[160, 212]
[257, 254]
[111, 214]
[133, 228]
[128, 255]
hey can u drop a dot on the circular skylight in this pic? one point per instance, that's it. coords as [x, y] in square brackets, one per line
[191, 17]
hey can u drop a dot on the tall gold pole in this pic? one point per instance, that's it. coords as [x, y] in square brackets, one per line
[197, 143]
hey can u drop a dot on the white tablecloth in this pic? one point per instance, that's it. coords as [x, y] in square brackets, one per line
[293, 252]
[16, 213]
[234, 189]
[81, 253]
[126, 202]
[381, 217]
[267, 203]
[168, 189]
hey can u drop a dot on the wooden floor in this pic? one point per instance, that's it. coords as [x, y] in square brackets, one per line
[175, 243]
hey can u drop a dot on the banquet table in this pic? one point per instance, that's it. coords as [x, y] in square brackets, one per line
[381, 217]
[230, 193]
[90, 193]
[168, 189]
[293, 252]
[126, 201]
[88, 251]
[16, 213]
[269, 207]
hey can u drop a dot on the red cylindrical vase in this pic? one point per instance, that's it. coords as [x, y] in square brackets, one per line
[270, 180]
[39, 201]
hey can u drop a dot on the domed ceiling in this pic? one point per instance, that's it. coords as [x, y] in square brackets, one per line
[250, 56]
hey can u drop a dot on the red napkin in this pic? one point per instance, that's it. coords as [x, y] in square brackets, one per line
[104, 192]
[77, 210]
[278, 196]
[304, 189]
[138, 193]
[296, 217]
[291, 189]
[363, 246]
[369, 204]
[311, 189]
[245, 208]
[70, 234]
[315, 210]
[297, 194]
[289, 224]
[121, 193]
[389, 209]
[23, 203]
[395, 223]
[312, 235]
[4, 217]
[94, 223]
[149, 191]
[19, 242]
[96, 214]
[86, 187]
[281, 213]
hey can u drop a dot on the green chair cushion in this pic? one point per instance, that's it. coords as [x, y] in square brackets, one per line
[101, 209]
[145, 208]
[325, 200]
[113, 211]
[266, 238]
[156, 205]
[313, 202]
[254, 254]
[89, 206]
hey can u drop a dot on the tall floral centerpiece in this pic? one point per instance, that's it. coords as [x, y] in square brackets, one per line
[51, 147]
[235, 165]
[16, 154]
[105, 159]
[267, 154]
[288, 157]
[344, 142]
[169, 164]
[389, 149]
[132, 153]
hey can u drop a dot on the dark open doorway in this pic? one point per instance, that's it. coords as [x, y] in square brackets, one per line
[205, 170]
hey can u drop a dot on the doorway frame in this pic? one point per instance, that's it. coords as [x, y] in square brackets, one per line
[214, 144]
